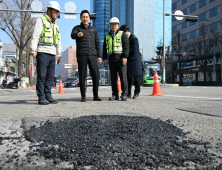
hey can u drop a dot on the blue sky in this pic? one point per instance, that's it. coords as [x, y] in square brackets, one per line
[65, 25]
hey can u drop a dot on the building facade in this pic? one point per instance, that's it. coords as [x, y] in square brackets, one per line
[68, 57]
[101, 8]
[145, 20]
[8, 62]
[197, 39]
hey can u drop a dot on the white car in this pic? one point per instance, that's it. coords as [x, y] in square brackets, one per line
[89, 81]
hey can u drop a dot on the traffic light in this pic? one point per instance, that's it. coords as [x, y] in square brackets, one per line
[93, 16]
[191, 19]
[160, 50]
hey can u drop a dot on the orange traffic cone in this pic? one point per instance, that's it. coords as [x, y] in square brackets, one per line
[33, 87]
[156, 86]
[60, 87]
[92, 89]
[36, 96]
[119, 85]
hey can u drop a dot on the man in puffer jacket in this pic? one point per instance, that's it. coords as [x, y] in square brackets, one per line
[88, 52]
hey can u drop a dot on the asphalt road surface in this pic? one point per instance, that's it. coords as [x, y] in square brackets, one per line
[181, 130]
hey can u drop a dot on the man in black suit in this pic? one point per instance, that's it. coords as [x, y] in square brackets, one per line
[88, 52]
[134, 66]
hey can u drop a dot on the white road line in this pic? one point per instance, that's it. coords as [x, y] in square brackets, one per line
[190, 90]
[188, 87]
[195, 97]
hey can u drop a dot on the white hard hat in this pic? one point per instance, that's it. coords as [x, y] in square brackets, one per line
[54, 5]
[114, 20]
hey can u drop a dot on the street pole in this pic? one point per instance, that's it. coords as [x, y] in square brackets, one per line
[32, 73]
[221, 52]
[164, 41]
[214, 74]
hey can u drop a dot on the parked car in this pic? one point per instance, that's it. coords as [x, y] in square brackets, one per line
[89, 81]
[71, 81]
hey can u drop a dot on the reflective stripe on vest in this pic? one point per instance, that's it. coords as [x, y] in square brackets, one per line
[46, 37]
[114, 45]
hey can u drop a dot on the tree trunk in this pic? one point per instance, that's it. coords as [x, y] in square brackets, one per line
[20, 61]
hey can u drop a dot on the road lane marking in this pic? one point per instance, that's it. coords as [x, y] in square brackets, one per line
[195, 97]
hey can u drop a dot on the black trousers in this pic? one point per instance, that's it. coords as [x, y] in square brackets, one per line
[45, 75]
[122, 69]
[136, 82]
[83, 61]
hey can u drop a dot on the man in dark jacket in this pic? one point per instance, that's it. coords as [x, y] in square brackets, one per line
[116, 46]
[88, 51]
[134, 66]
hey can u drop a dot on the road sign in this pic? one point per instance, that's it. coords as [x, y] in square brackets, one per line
[36, 5]
[70, 7]
[178, 12]
[184, 53]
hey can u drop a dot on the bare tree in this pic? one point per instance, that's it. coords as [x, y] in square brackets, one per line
[203, 46]
[178, 46]
[17, 25]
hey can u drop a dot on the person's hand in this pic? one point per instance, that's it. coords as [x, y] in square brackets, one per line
[58, 59]
[124, 61]
[33, 54]
[99, 60]
[105, 61]
[80, 34]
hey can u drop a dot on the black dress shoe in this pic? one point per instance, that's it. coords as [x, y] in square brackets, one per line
[52, 101]
[83, 100]
[97, 99]
[136, 96]
[124, 98]
[114, 98]
[43, 102]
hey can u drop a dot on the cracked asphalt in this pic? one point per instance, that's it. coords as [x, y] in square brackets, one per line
[26, 130]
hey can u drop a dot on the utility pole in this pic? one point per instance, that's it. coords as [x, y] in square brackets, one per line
[164, 43]
[214, 73]
[221, 52]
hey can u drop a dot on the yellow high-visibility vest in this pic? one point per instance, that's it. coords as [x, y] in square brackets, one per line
[114, 45]
[49, 36]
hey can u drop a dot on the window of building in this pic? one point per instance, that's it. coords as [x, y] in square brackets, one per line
[174, 40]
[193, 8]
[213, 41]
[202, 3]
[202, 31]
[192, 23]
[185, 11]
[212, 1]
[173, 18]
[202, 17]
[174, 29]
[184, 37]
[192, 47]
[202, 45]
[184, 25]
[193, 34]
[213, 26]
[184, 1]
[174, 6]
[213, 12]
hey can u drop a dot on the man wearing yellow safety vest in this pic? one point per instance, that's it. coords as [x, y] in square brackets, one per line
[46, 46]
[116, 47]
